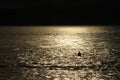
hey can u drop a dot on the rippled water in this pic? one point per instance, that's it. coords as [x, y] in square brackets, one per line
[50, 53]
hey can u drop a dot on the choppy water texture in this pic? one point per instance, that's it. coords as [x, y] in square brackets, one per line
[50, 53]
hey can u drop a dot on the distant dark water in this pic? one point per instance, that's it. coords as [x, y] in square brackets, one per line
[50, 53]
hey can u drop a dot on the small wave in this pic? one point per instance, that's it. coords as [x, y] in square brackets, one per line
[50, 67]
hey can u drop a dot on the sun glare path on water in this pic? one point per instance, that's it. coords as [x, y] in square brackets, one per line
[51, 53]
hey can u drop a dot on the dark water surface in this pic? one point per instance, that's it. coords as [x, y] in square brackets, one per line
[50, 53]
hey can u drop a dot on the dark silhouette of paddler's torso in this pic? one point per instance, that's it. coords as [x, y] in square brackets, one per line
[79, 53]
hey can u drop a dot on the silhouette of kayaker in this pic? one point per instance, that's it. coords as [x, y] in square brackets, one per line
[79, 53]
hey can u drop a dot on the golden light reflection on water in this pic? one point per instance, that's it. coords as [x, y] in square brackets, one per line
[79, 29]
[73, 29]
[60, 49]
[67, 40]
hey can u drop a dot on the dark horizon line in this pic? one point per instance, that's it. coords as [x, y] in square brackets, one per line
[60, 6]
[60, 25]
